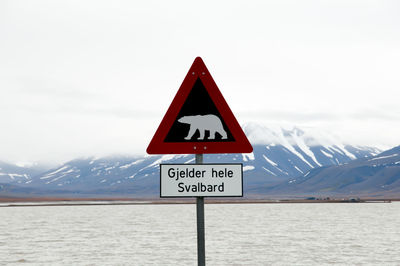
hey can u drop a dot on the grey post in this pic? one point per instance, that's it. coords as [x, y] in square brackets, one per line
[201, 248]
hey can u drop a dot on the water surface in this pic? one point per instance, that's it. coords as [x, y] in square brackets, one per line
[236, 234]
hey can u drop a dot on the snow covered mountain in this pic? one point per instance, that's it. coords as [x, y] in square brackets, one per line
[279, 154]
[378, 176]
[11, 173]
[287, 153]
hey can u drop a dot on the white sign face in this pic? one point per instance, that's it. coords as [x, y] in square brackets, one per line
[201, 180]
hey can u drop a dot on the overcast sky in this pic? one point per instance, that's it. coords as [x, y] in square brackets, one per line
[81, 78]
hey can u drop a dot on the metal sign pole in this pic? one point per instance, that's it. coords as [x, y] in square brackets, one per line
[201, 249]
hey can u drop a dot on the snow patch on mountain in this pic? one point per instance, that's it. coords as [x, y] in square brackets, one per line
[270, 161]
[298, 169]
[327, 154]
[300, 142]
[384, 157]
[248, 168]
[51, 174]
[248, 156]
[272, 173]
[164, 158]
[125, 166]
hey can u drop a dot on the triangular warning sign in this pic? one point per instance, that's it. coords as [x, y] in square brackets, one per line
[199, 120]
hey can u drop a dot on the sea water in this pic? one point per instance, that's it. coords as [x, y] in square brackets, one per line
[236, 234]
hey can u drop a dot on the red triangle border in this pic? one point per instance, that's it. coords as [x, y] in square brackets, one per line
[157, 144]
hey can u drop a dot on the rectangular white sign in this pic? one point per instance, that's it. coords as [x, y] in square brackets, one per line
[201, 180]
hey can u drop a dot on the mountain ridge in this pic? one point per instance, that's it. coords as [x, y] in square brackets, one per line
[285, 154]
[377, 175]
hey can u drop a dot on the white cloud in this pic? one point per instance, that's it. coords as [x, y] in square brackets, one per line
[84, 77]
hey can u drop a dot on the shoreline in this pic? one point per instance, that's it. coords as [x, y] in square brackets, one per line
[32, 202]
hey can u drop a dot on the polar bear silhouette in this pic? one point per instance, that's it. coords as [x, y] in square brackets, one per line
[203, 123]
